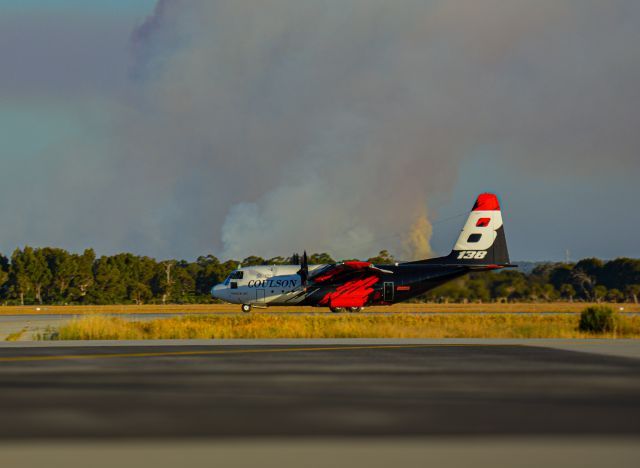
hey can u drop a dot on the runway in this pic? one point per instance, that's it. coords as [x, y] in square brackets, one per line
[333, 388]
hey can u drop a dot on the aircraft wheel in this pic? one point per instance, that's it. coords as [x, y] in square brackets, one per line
[246, 308]
[355, 309]
[337, 310]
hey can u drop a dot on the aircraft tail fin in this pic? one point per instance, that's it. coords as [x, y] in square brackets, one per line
[482, 240]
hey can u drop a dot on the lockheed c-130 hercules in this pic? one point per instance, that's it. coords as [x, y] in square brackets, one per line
[351, 286]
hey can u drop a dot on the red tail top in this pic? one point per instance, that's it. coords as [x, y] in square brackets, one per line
[486, 202]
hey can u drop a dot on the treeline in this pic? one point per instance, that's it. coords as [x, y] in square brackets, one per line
[54, 276]
[590, 280]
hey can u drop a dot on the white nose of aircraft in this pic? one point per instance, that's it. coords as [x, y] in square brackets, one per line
[218, 291]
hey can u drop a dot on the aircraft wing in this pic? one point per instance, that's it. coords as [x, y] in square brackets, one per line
[340, 272]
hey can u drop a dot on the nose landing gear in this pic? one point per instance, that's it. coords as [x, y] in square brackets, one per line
[246, 308]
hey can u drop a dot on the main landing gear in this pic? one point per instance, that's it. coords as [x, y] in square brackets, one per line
[337, 310]
[246, 308]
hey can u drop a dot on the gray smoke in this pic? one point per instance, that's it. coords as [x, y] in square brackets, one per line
[269, 126]
[312, 118]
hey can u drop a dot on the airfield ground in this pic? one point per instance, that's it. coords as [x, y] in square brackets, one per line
[370, 403]
[512, 307]
[330, 388]
[366, 401]
[272, 324]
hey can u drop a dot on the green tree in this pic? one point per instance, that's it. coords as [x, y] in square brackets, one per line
[140, 272]
[383, 258]
[252, 260]
[599, 293]
[276, 261]
[510, 285]
[226, 268]
[567, 291]
[586, 275]
[620, 273]
[165, 279]
[583, 283]
[478, 290]
[454, 291]
[84, 278]
[20, 283]
[39, 273]
[29, 273]
[591, 266]
[541, 274]
[207, 271]
[633, 292]
[549, 293]
[109, 286]
[560, 275]
[321, 259]
[4, 276]
[63, 268]
[184, 286]
[615, 295]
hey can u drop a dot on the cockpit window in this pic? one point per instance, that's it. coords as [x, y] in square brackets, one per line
[238, 274]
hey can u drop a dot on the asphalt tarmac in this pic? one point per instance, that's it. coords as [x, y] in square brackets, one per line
[394, 389]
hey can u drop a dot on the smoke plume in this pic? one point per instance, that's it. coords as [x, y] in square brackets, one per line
[272, 126]
[416, 243]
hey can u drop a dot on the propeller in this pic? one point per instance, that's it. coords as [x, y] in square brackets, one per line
[303, 272]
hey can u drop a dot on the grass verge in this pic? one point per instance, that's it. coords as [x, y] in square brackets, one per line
[343, 326]
[205, 309]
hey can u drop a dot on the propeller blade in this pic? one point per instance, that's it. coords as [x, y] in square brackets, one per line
[304, 269]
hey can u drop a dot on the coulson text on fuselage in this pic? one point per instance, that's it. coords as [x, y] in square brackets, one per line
[268, 283]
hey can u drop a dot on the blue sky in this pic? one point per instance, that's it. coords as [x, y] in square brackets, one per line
[168, 142]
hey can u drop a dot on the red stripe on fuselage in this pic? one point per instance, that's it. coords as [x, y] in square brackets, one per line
[357, 265]
[340, 268]
[351, 294]
[334, 271]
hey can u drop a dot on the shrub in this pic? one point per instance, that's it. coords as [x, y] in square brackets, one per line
[597, 319]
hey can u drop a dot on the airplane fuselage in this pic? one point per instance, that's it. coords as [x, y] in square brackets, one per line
[352, 285]
[280, 285]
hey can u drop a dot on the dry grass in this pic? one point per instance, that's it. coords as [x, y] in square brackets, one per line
[576, 307]
[17, 335]
[344, 326]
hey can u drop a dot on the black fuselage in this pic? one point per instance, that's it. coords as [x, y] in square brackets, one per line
[401, 283]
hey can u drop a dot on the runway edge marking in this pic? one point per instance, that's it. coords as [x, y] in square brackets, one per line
[234, 351]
